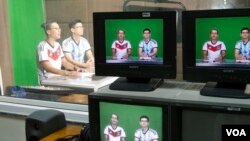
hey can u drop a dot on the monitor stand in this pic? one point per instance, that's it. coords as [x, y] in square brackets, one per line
[231, 90]
[135, 84]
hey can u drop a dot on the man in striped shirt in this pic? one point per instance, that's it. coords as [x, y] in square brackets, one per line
[76, 47]
[145, 133]
[147, 47]
[242, 48]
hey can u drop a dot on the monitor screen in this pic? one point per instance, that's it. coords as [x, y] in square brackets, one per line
[222, 41]
[193, 122]
[117, 119]
[216, 50]
[123, 41]
[135, 44]
[205, 125]
[216, 45]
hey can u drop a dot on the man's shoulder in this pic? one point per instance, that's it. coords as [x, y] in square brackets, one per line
[41, 46]
[67, 40]
[84, 39]
[138, 130]
[153, 41]
[45, 44]
[220, 42]
[152, 131]
[42, 43]
[207, 42]
[142, 41]
[120, 128]
[239, 42]
[115, 41]
[108, 126]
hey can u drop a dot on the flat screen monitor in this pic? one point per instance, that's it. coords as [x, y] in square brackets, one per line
[135, 45]
[117, 119]
[216, 49]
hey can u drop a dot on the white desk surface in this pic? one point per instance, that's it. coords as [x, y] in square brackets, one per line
[179, 92]
[87, 83]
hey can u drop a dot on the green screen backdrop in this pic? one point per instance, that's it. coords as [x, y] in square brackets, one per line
[229, 32]
[128, 118]
[133, 33]
[25, 18]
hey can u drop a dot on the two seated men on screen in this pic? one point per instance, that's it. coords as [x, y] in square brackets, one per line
[50, 53]
[215, 51]
[121, 48]
[113, 132]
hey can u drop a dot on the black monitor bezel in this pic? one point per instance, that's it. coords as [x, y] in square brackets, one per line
[94, 112]
[191, 72]
[165, 70]
[177, 109]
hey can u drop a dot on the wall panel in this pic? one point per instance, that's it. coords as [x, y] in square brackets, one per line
[5, 59]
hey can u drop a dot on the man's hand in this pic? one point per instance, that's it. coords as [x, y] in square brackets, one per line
[241, 58]
[91, 60]
[218, 59]
[73, 74]
[78, 69]
[125, 56]
[89, 64]
[144, 55]
[114, 57]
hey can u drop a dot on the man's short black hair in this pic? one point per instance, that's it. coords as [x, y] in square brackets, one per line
[146, 117]
[115, 115]
[47, 25]
[120, 30]
[74, 22]
[146, 29]
[215, 30]
[244, 28]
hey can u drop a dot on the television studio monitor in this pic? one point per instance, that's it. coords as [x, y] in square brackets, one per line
[216, 50]
[109, 116]
[135, 46]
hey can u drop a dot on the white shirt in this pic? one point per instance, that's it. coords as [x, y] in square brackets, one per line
[77, 50]
[114, 134]
[46, 52]
[150, 135]
[121, 48]
[214, 50]
[243, 48]
[147, 47]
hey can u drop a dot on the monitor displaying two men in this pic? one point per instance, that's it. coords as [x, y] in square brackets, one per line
[134, 41]
[222, 41]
